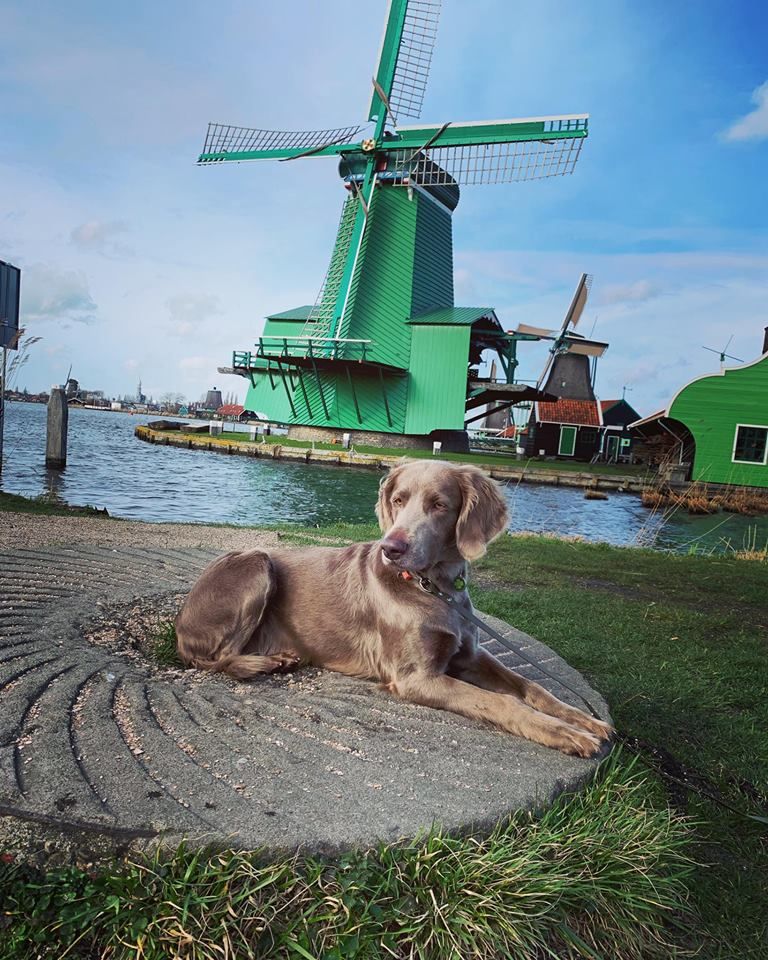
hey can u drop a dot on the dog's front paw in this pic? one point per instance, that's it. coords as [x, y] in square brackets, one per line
[576, 742]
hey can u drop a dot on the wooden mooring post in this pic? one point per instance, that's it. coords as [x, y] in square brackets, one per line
[58, 421]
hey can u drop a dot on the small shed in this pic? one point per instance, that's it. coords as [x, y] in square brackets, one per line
[617, 437]
[570, 429]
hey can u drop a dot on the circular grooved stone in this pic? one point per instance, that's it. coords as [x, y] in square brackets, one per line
[101, 751]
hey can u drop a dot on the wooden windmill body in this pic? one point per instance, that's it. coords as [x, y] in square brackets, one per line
[384, 350]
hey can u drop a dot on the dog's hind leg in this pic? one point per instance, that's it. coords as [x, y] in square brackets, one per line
[222, 614]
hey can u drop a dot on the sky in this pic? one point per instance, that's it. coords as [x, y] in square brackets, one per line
[137, 264]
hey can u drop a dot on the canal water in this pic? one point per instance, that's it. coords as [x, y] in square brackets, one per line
[108, 467]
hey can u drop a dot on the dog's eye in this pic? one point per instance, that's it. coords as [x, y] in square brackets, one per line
[398, 501]
[439, 505]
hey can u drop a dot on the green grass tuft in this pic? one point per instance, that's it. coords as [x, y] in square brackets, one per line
[600, 874]
[162, 645]
[44, 505]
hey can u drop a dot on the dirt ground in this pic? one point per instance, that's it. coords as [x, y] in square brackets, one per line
[28, 531]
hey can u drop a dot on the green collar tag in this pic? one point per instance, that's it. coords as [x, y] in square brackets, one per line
[459, 583]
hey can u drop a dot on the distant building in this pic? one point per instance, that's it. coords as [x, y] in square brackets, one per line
[567, 428]
[213, 399]
[715, 428]
[617, 437]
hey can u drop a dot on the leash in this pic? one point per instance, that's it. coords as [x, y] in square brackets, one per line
[460, 583]
[633, 744]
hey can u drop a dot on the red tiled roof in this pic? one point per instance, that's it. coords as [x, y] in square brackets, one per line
[581, 412]
[230, 410]
[607, 404]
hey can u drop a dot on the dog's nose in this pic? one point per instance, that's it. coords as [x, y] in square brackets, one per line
[394, 547]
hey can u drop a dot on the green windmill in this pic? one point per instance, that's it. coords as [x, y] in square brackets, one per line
[384, 350]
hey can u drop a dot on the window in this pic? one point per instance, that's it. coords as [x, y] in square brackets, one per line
[587, 435]
[750, 444]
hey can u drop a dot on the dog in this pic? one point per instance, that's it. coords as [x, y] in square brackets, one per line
[360, 611]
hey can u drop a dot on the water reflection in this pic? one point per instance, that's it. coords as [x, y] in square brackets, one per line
[108, 467]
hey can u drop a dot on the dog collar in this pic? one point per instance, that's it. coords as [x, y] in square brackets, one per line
[459, 583]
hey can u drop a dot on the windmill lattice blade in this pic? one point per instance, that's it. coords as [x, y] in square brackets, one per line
[503, 162]
[224, 138]
[414, 57]
[321, 317]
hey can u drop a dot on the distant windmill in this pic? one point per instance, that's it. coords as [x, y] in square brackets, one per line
[567, 371]
[722, 354]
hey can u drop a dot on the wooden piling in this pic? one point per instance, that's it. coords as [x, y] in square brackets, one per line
[58, 421]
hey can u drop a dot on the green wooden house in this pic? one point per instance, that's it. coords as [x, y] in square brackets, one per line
[717, 425]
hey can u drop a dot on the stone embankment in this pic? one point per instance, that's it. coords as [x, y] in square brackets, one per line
[514, 471]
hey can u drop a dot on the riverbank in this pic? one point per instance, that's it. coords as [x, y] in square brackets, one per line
[555, 473]
[676, 644]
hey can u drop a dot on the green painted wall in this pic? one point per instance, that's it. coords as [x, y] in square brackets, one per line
[433, 256]
[405, 267]
[379, 300]
[338, 397]
[438, 382]
[711, 408]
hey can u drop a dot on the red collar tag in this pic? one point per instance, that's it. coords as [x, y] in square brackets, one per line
[406, 575]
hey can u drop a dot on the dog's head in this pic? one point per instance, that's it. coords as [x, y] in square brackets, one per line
[431, 512]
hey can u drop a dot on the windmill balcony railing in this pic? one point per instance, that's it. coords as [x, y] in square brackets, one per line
[309, 348]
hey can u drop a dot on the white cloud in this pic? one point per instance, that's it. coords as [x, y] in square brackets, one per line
[51, 294]
[194, 363]
[99, 236]
[190, 311]
[753, 126]
[637, 292]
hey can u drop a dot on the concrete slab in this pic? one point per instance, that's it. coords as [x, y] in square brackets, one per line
[100, 751]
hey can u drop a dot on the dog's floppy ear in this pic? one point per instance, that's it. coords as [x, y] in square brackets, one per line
[483, 512]
[383, 506]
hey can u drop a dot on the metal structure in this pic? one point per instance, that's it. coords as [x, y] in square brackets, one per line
[384, 349]
[723, 355]
[10, 295]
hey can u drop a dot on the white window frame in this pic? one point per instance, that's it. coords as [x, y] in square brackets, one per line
[751, 463]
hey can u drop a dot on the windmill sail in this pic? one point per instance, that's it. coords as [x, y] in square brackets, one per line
[324, 313]
[226, 142]
[501, 151]
[414, 58]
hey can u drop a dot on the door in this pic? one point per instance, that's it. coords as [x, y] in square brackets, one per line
[567, 441]
[612, 447]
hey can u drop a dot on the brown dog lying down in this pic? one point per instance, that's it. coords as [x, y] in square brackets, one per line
[349, 609]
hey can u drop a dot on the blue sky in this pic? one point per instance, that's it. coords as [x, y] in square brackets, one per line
[136, 263]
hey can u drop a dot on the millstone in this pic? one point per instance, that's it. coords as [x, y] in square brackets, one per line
[102, 751]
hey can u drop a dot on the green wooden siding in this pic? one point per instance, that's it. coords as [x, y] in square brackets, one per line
[711, 408]
[339, 399]
[380, 294]
[438, 380]
[283, 328]
[433, 256]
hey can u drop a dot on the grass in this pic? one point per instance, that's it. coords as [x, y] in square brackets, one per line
[45, 506]
[676, 644]
[501, 460]
[596, 876]
[162, 645]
